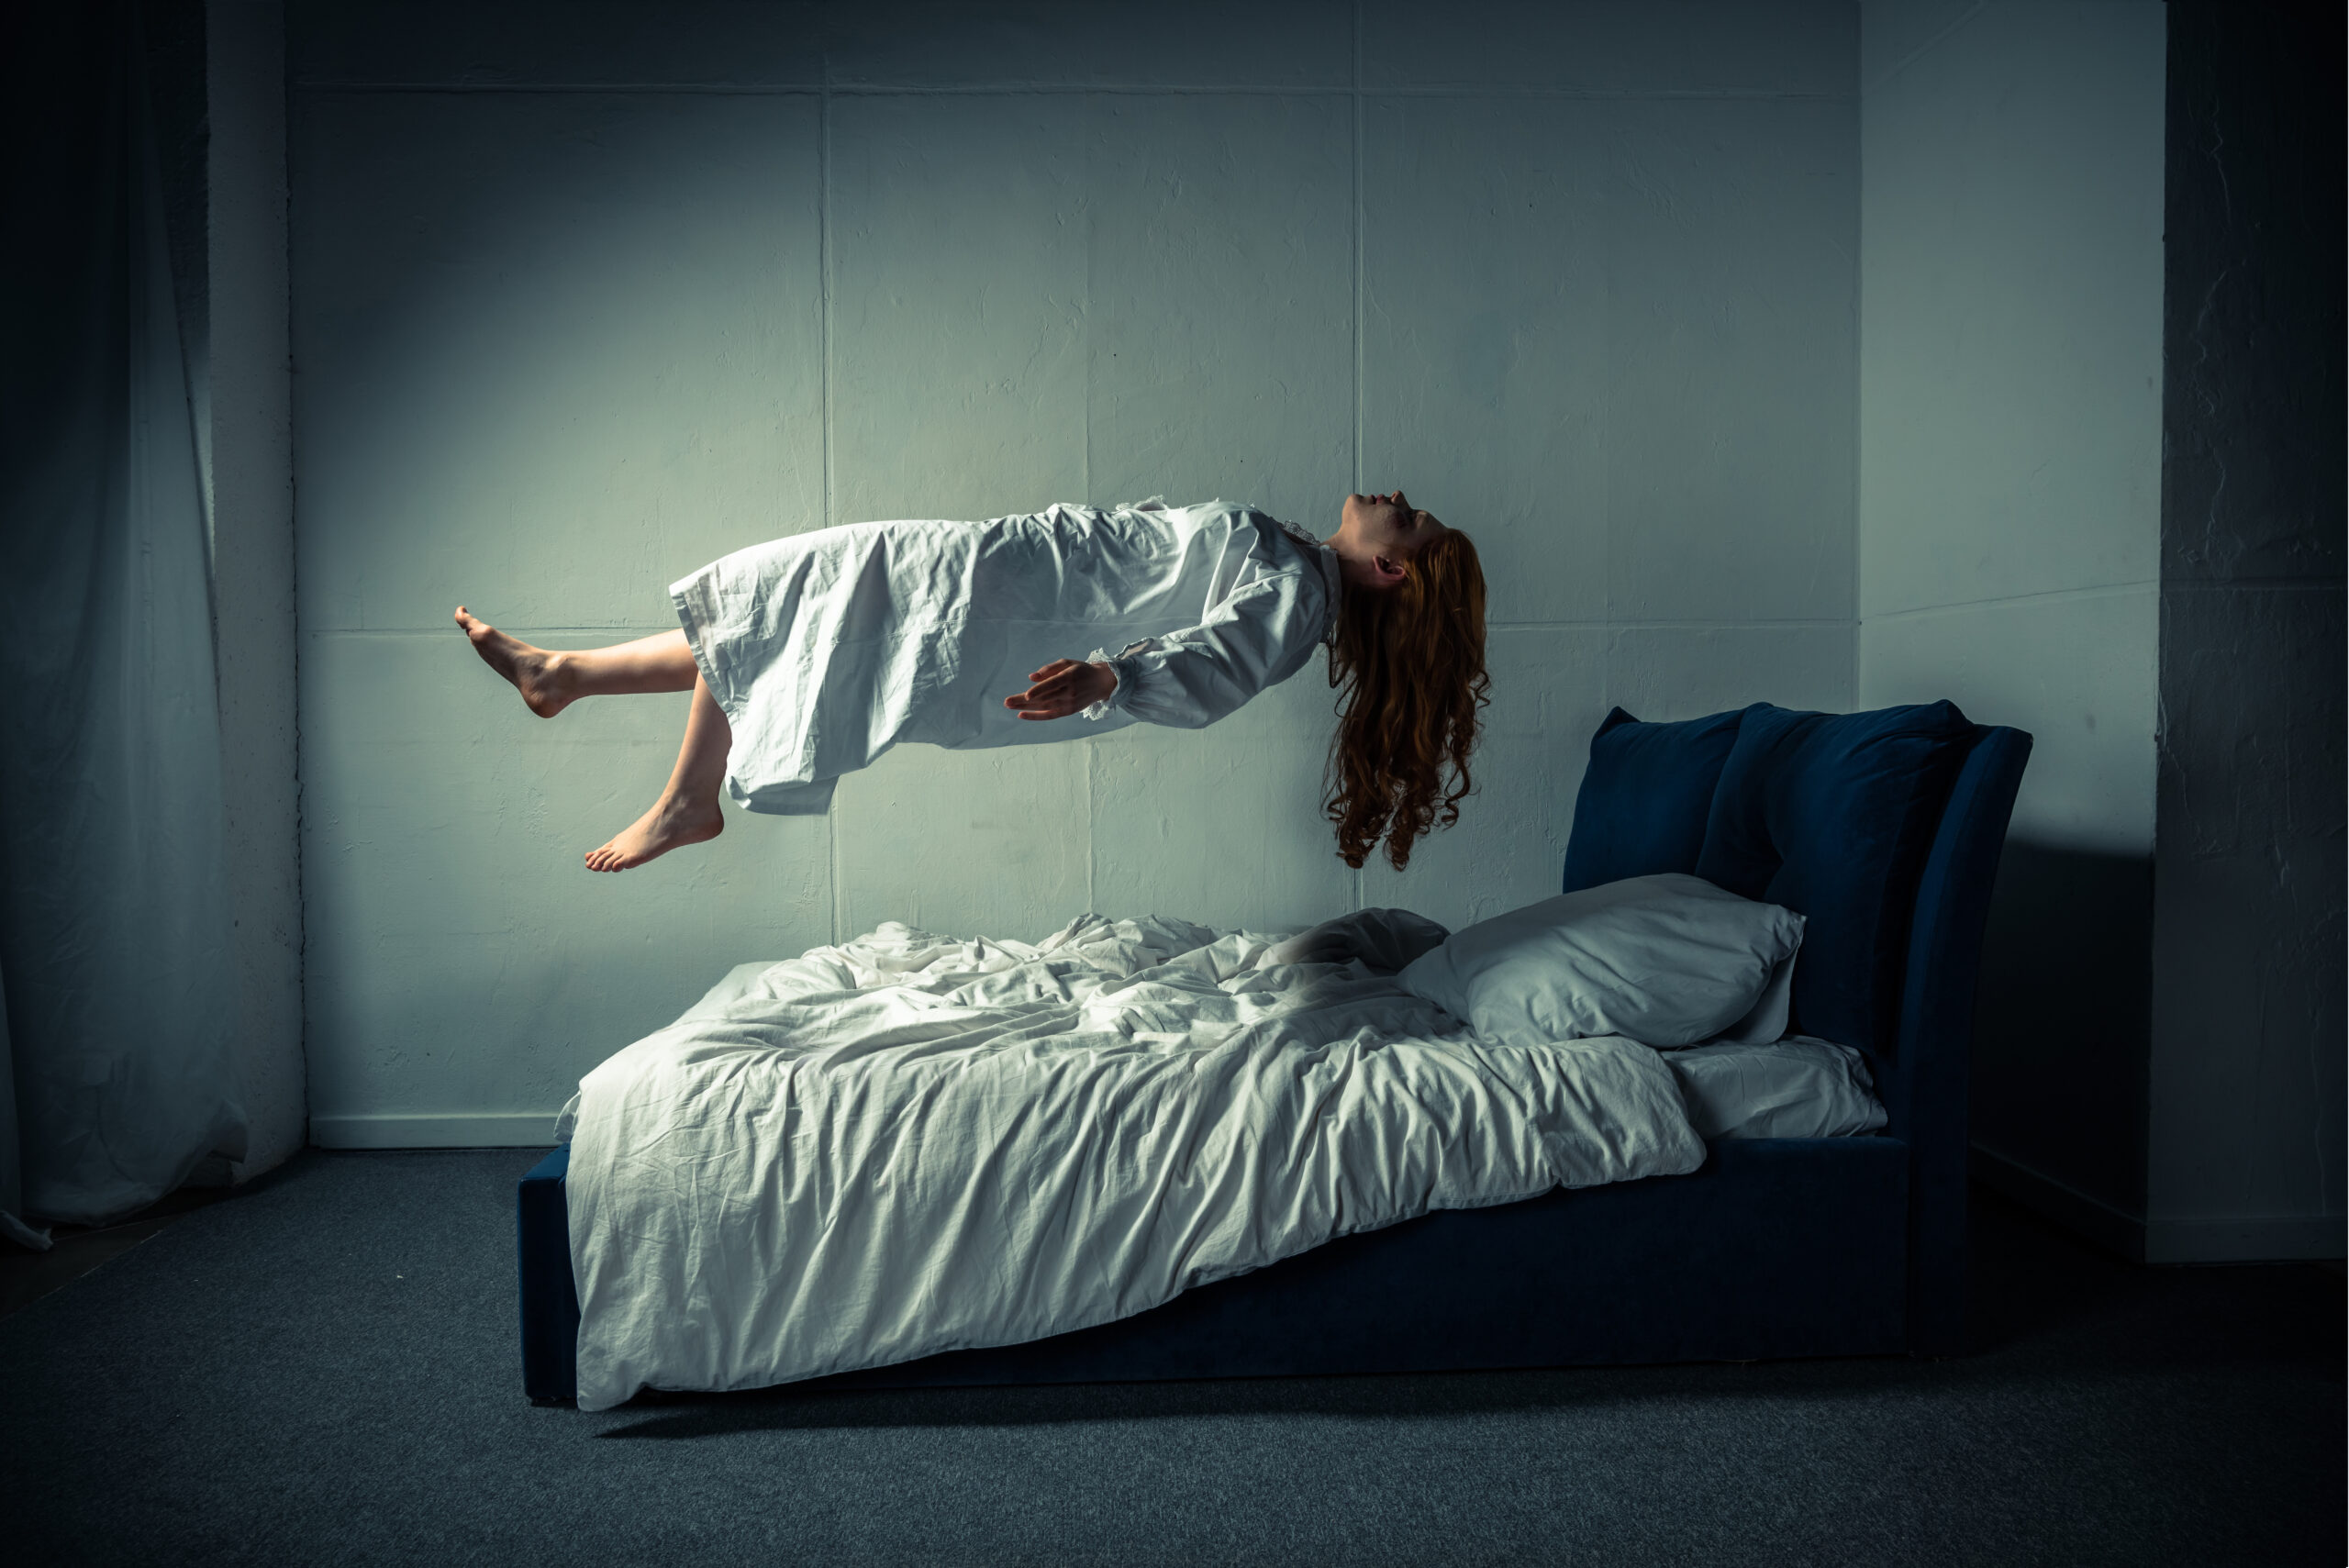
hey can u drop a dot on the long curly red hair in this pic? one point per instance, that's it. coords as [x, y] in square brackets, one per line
[1408, 663]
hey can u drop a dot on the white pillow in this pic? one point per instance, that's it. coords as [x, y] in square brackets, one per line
[1667, 960]
[1798, 1087]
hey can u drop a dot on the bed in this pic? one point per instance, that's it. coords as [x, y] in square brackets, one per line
[1883, 830]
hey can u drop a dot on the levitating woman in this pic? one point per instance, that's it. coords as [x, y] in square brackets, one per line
[810, 656]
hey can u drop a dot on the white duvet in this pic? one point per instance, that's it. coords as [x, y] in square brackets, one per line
[908, 1144]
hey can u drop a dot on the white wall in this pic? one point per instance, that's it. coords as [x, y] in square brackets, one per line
[2010, 524]
[2010, 387]
[252, 515]
[585, 297]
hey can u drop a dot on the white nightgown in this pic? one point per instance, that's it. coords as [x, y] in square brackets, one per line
[828, 647]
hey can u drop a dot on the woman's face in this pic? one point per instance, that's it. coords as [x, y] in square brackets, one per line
[1388, 523]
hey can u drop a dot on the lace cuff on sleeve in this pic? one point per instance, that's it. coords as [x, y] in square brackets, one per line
[1118, 667]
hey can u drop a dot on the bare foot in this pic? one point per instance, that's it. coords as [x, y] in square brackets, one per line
[536, 673]
[672, 823]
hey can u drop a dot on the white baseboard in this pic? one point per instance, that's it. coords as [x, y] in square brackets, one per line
[2252, 1238]
[2110, 1227]
[474, 1129]
[2246, 1238]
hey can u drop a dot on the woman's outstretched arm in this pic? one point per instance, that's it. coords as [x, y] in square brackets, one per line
[1188, 678]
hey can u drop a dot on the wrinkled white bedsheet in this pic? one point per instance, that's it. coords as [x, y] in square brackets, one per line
[908, 1144]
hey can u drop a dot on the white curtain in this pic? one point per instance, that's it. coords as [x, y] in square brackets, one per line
[114, 924]
[12, 1185]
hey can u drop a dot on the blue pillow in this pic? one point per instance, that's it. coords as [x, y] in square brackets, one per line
[1644, 796]
[1832, 815]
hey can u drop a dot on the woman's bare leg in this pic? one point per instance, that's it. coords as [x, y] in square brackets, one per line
[687, 811]
[552, 680]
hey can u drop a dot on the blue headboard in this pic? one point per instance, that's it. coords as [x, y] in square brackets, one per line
[1712, 797]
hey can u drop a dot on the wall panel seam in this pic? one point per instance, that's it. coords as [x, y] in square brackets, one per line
[1061, 89]
[623, 630]
[1361, 220]
[1618, 624]
[648, 89]
[2053, 596]
[1914, 55]
[824, 385]
[1852, 492]
[1085, 488]
[1610, 94]
[653, 629]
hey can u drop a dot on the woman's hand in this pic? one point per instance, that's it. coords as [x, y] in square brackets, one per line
[1062, 687]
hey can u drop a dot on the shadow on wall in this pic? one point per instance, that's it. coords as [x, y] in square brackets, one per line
[2062, 1036]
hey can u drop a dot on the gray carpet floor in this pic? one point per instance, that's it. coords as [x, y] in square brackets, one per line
[323, 1369]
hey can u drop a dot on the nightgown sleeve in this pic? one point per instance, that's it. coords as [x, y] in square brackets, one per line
[1188, 678]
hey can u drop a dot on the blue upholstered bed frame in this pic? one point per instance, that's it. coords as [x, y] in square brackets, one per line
[1775, 1247]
